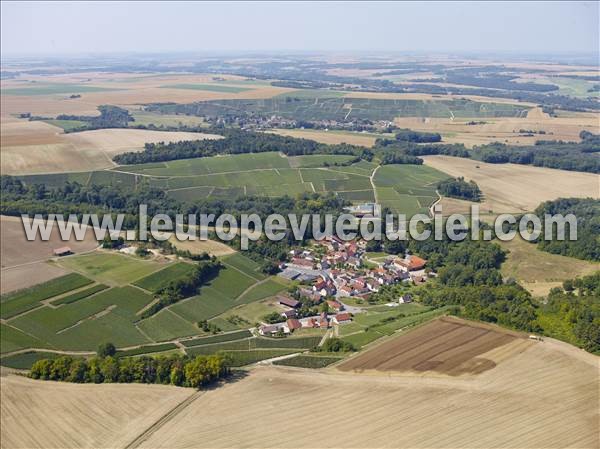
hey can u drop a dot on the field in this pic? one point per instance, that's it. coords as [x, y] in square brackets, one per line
[24, 300]
[407, 189]
[546, 393]
[211, 247]
[18, 251]
[38, 147]
[516, 188]
[120, 89]
[539, 271]
[155, 281]
[110, 268]
[99, 409]
[209, 88]
[331, 137]
[446, 346]
[70, 314]
[505, 129]
[354, 106]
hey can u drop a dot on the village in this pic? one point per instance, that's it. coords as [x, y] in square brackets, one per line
[332, 273]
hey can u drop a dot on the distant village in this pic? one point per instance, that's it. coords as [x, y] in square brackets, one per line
[332, 271]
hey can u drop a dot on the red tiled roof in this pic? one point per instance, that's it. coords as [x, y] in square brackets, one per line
[294, 324]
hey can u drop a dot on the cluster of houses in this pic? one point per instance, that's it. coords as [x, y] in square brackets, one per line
[322, 321]
[332, 270]
[338, 270]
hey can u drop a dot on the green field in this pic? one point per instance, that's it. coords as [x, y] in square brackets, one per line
[407, 189]
[24, 300]
[166, 325]
[245, 265]
[26, 359]
[208, 88]
[241, 358]
[106, 316]
[323, 105]
[35, 88]
[155, 281]
[111, 268]
[309, 361]
[73, 297]
[231, 336]
[319, 160]
[67, 125]
[15, 340]
[269, 287]
[146, 118]
[150, 349]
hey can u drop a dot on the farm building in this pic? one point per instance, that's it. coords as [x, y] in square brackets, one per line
[293, 324]
[289, 302]
[269, 330]
[342, 318]
[289, 313]
[62, 251]
[335, 305]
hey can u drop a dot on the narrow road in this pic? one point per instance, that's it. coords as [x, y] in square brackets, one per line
[373, 184]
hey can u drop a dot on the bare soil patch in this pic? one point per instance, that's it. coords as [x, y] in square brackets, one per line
[446, 345]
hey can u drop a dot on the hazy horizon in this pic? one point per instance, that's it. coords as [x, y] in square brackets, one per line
[69, 28]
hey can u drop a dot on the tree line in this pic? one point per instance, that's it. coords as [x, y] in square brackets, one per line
[184, 287]
[236, 141]
[175, 370]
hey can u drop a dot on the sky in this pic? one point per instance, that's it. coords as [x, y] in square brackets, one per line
[58, 28]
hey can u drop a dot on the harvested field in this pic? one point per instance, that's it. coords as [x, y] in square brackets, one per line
[517, 188]
[545, 394]
[37, 147]
[23, 276]
[127, 91]
[505, 129]
[539, 271]
[200, 246]
[17, 250]
[80, 416]
[330, 137]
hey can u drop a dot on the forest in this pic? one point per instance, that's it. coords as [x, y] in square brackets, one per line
[236, 141]
[587, 211]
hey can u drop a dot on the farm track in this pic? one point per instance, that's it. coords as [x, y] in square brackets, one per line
[163, 420]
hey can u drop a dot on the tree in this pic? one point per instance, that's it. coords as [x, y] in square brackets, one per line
[106, 350]
[110, 369]
[41, 369]
[78, 371]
